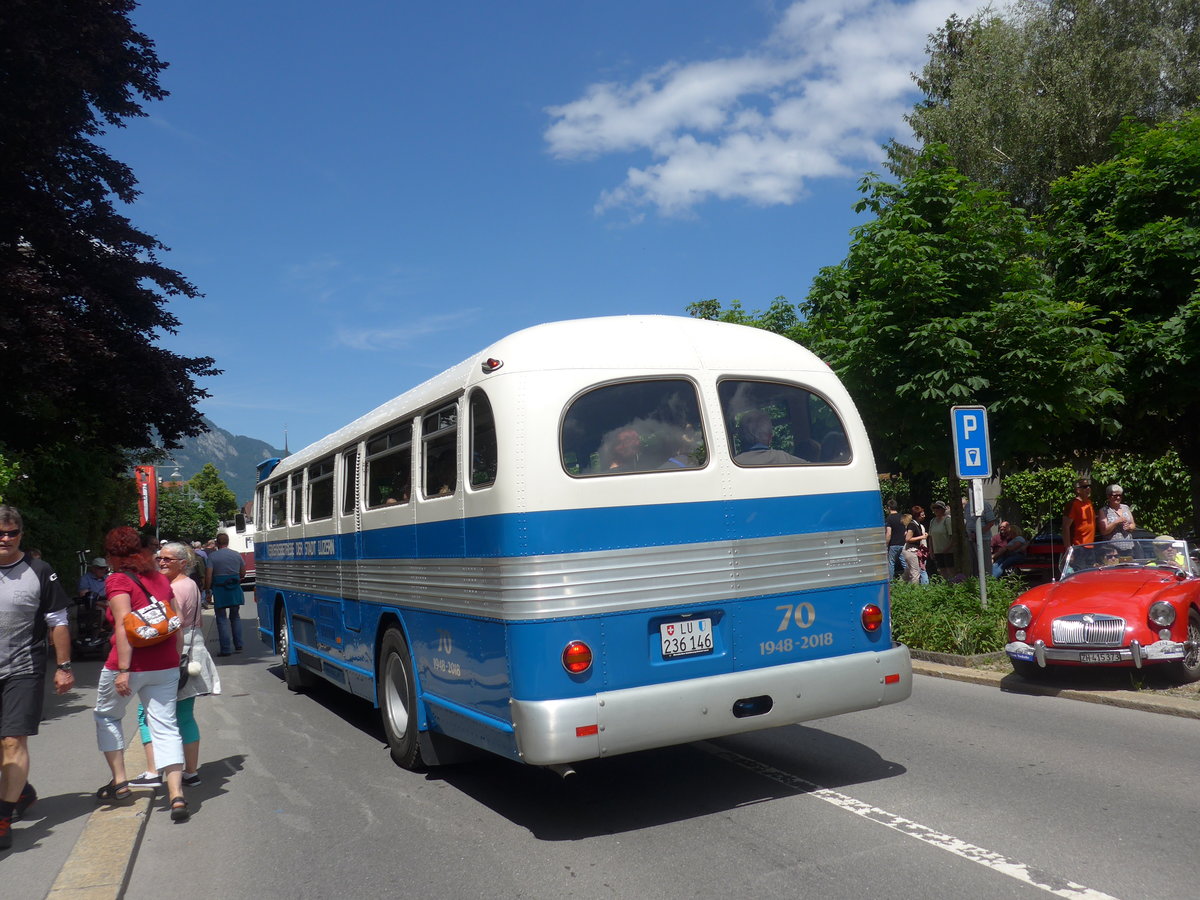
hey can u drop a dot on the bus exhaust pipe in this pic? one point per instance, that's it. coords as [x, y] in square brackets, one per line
[563, 770]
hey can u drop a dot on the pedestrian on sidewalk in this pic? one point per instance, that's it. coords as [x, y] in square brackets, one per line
[32, 600]
[150, 672]
[226, 568]
[174, 561]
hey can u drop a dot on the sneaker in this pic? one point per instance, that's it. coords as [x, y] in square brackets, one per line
[5, 832]
[146, 779]
[191, 779]
[28, 797]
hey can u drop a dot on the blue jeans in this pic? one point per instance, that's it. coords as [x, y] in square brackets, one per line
[227, 625]
[998, 569]
[896, 553]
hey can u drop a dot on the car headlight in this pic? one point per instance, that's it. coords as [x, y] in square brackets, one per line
[1019, 615]
[1162, 613]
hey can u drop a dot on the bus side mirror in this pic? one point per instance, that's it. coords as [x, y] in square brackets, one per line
[239, 523]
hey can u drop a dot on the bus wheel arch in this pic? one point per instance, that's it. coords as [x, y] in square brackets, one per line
[295, 676]
[396, 693]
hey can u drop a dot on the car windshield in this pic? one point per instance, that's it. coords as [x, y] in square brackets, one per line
[1173, 555]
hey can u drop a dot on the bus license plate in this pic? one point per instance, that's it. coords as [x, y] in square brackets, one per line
[686, 638]
[1099, 657]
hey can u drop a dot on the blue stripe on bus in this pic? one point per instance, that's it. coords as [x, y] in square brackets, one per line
[550, 532]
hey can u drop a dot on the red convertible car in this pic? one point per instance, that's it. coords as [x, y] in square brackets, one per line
[1129, 603]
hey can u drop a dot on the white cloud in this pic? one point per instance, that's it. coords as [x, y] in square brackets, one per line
[820, 95]
[404, 334]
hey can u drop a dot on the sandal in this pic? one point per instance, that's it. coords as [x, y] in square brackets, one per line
[179, 810]
[114, 793]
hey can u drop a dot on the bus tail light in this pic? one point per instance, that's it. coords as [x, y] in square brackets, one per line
[577, 657]
[872, 618]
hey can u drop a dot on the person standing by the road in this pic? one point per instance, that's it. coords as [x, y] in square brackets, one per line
[31, 601]
[1079, 519]
[150, 672]
[893, 538]
[1116, 519]
[941, 539]
[226, 568]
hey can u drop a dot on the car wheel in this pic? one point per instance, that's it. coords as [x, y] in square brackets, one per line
[1028, 670]
[397, 695]
[1187, 670]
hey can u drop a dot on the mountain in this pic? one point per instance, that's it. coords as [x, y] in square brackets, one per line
[235, 456]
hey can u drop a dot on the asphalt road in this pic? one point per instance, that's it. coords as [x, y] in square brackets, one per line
[966, 790]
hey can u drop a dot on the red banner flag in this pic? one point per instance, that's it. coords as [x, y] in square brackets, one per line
[147, 488]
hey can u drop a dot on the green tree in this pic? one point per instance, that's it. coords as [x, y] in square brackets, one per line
[943, 300]
[211, 488]
[1024, 97]
[1126, 241]
[85, 295]
[184, 516]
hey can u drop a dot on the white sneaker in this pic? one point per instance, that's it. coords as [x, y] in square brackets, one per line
[146, 779]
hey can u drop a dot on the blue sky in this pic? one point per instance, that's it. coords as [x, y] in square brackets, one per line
[370, 192]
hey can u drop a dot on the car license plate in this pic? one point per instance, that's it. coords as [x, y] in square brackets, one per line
[686, 638]
[1099, 657]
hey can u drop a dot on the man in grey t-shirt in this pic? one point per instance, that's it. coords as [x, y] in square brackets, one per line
[31, 600]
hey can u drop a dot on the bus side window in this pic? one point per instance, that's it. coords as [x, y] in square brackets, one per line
[484, 453]
[389, 467]
[297, 496]
[439, 439]
[349, 481]
[320, 490]
[278, 491]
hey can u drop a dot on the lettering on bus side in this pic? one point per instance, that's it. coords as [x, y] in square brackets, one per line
[445, 645]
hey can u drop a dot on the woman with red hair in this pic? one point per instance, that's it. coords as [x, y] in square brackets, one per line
[150, 672]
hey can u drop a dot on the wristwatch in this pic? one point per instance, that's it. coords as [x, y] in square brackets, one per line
[65, 667]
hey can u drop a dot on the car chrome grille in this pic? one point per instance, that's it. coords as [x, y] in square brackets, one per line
[1092, 629]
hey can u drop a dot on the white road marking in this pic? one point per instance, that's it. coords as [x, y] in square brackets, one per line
[1046, 881]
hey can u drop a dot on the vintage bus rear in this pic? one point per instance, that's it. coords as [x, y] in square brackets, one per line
[595, 537]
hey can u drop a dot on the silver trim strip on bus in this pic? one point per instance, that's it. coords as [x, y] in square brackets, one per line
[662, 715]
[544, 587]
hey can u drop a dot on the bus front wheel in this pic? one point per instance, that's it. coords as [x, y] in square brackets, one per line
[397, 694]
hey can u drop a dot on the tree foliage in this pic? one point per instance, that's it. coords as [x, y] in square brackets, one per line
[211, 488]
[1126, 241]
[943, 300]
[185, 516]
[1024, 97]
[84, 291]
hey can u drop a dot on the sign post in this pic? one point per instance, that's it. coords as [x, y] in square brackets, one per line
[973, 461]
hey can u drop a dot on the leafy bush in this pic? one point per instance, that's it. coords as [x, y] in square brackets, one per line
[941, 617]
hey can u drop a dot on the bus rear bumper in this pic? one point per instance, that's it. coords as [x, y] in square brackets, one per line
[549, 732]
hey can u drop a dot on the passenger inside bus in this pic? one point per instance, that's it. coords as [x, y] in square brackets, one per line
[757, 432]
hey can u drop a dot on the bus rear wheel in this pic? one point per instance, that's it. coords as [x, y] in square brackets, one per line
[397, 694]
[296, 677]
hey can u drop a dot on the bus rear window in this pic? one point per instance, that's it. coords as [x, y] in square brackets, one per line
[773, 424]
[635, 426]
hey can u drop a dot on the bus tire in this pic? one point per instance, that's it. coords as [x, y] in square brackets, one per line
[397, 694]
[296, 677]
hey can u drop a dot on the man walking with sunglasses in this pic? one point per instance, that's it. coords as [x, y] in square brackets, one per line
[32, 600]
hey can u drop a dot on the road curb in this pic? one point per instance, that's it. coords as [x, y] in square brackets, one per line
[1169, 706]
[101, 861]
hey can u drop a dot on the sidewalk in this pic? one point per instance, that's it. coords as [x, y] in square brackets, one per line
[67, 845]
[1009, 681]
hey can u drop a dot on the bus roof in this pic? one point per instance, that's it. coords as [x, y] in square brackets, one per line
[648, 343]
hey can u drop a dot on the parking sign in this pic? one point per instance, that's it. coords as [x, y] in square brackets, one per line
[972, 448]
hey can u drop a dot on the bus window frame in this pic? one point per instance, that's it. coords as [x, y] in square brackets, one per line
[440, 435]
[471, 441]
[397, 449]
[318, 483]
[729, 424]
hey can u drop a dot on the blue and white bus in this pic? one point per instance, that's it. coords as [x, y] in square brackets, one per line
[595, 537]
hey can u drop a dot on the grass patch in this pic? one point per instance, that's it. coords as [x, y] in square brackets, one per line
[940, 617]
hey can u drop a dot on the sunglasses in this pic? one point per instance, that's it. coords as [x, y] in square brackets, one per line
[10, 534]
